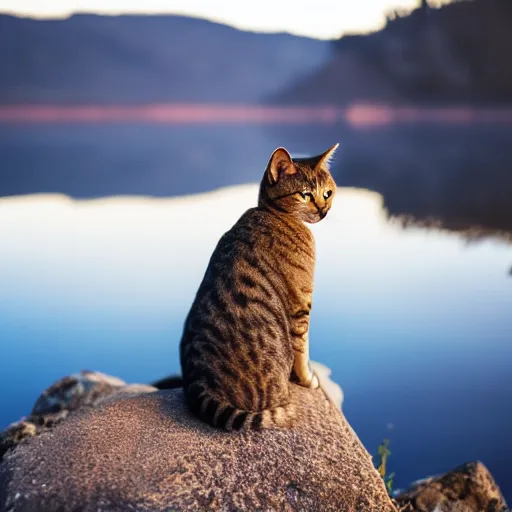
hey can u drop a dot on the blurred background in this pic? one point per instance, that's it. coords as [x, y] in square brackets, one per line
[133, 136]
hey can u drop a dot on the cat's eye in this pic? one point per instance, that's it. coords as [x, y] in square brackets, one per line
[305, 195]
[327, 194]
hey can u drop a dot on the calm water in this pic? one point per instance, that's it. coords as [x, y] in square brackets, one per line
[415, 324]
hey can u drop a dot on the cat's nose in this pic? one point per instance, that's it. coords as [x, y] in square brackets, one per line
[320, 202]
[323, 212]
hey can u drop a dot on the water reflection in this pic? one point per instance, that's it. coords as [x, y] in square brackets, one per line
[453, 175]
[415, 324]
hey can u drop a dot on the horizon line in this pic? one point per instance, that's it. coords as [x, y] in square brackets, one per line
[304, 21]
[356, 115]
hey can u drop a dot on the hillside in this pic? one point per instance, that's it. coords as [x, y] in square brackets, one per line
[457, 53]
[143, 59]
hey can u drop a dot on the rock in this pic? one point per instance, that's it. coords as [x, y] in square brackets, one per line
[468, 488]
[86, 389]
[147, 452]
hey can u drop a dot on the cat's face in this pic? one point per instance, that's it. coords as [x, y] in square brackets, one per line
[302, 187]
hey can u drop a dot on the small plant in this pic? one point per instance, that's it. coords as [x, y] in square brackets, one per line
[384, 453]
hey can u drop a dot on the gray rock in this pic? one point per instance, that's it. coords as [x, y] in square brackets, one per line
[146, 452]
[468, 488]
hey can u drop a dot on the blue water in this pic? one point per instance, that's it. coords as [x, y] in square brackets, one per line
[416, 325]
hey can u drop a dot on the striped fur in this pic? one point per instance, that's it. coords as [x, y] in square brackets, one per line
[245, 336]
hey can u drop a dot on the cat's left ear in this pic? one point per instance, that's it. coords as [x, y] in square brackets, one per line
[280, 163]
[324, 160]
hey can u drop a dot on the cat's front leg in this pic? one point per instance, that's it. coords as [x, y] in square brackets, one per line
[302, 373]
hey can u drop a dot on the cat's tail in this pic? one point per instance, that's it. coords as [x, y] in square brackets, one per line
[224, 416]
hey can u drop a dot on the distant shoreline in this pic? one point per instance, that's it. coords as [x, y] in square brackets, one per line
[358, 115]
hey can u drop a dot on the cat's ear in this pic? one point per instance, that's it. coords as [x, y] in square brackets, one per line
[324, 160]
[280, 163]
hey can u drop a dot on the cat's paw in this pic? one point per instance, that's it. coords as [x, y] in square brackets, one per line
[315, 383]
[307, 379]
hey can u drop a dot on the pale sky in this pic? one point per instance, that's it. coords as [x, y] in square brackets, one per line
[320, 18]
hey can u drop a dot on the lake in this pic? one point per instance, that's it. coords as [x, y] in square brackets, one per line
[416, 324]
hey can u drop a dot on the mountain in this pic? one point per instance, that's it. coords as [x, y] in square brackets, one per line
[145, 59]
[458, 53]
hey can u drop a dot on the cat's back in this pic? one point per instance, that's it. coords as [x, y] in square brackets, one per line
[254, 273]
[236, 341]
[270, 236]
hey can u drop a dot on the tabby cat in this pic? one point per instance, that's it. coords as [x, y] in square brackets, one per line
[246, 335]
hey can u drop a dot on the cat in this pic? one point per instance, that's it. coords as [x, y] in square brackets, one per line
[246, 335]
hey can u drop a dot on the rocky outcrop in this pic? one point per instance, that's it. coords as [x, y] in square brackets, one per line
[468, 488]
[89, 389]
[133, 447]
[146, 452]
[67, 395]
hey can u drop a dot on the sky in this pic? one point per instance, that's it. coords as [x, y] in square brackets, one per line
[322, 19]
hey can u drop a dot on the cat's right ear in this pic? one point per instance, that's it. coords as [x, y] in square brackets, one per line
[280, 163]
